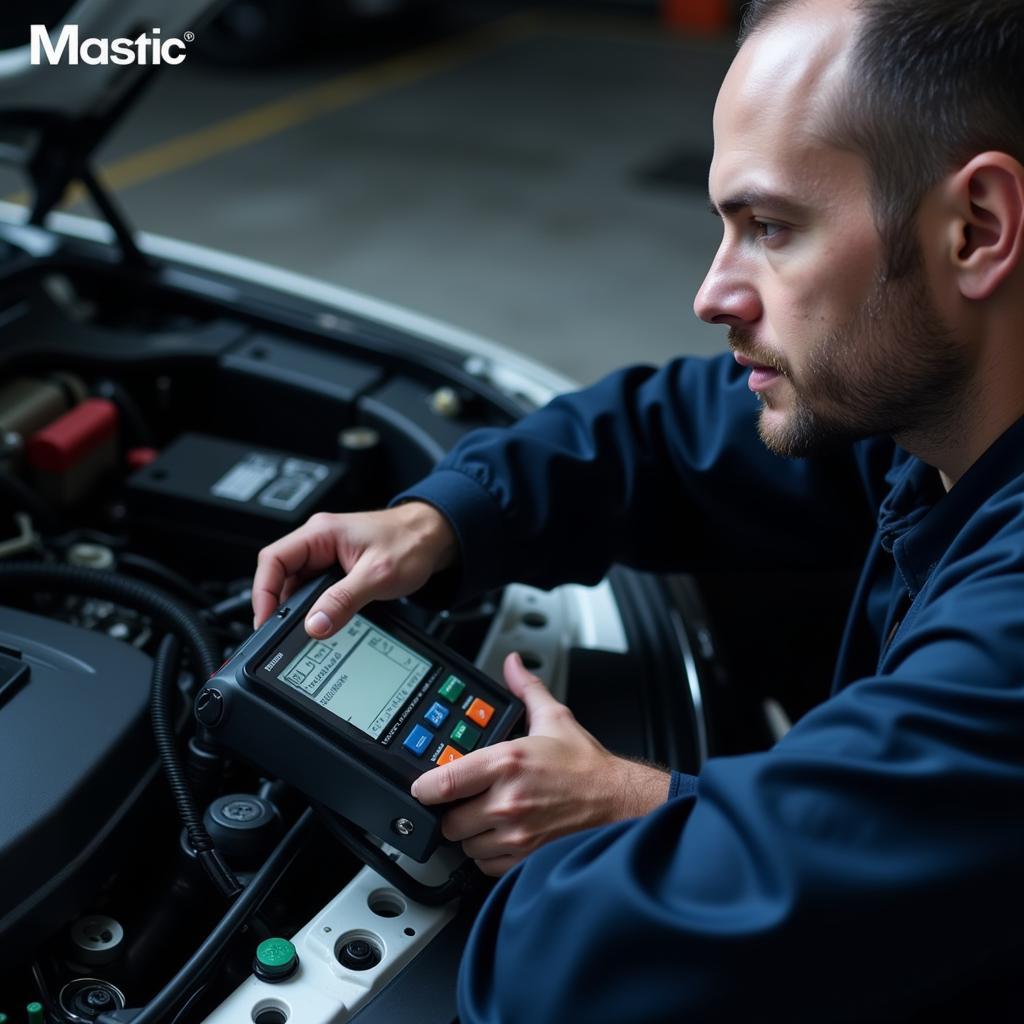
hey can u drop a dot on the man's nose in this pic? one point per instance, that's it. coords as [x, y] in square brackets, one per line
[727, 296]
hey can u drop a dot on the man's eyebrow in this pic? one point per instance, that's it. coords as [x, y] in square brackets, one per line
[773, 201]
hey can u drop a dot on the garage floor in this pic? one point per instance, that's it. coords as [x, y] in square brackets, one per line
[533, 176]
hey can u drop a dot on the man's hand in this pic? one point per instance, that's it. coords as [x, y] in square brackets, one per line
[526, 792]
[386, 555]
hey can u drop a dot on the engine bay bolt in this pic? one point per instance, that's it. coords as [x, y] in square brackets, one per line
[446, 402]
[92, 556]
[99, 999]
[358, 439]
[11, 443]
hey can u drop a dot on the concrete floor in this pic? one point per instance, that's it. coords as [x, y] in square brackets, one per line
[502, 176]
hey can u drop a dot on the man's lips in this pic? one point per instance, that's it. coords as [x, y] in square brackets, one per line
[761, 375]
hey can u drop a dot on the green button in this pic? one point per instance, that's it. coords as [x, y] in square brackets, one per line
[275, 956]
[451, 689]
[466, 735]
[35, 1013]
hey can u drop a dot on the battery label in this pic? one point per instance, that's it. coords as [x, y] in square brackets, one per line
[298, 480]
[245, 479]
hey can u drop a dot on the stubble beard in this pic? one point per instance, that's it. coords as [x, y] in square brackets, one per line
[895, 369]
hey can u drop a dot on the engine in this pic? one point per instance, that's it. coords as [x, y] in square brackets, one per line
[153, 437]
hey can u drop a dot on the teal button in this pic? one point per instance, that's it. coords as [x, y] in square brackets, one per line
[465, 735]
[451, 689]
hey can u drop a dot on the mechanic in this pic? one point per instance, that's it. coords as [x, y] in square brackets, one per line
[868, 173]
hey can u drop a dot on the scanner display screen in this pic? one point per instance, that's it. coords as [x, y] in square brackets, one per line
[361, 674]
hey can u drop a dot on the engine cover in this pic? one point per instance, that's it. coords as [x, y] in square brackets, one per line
[75, 756]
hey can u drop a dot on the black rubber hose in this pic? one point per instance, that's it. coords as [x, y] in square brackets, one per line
[208, 955]
[130, 410]
[165, 673]
[140, 566]
[170, 614]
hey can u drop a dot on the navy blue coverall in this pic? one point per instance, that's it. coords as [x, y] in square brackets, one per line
[869, 864]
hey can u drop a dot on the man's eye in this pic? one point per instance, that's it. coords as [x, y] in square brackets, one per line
[767, 230]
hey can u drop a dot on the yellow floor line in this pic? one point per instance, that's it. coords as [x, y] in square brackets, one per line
[277, 116]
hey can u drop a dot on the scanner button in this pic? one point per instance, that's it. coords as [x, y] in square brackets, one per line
[418, 740]
[448, 755]
[437, 714]
[480, 712]
[465, 735]
[451, 689]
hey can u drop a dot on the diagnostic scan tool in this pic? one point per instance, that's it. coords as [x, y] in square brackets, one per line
[351, 721]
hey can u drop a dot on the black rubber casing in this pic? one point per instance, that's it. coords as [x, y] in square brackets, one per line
[336, 765]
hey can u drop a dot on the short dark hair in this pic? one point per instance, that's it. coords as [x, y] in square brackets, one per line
[932, 84]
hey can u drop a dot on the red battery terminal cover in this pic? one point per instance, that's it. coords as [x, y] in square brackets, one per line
[140, 458]
[64, 443]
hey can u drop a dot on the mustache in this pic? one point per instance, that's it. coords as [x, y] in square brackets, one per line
[741, 342]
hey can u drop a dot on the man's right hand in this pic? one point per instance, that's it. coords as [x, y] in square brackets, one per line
[385, 555]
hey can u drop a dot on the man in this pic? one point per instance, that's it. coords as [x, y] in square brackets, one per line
[868, 173]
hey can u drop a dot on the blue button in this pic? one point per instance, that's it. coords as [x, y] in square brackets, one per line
[418, 740]
[437, 714]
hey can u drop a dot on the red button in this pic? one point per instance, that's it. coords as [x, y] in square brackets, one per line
[448, 755]
[480, 712]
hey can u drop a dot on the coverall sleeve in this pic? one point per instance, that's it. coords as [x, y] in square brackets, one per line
[658, 469]
[870, 862]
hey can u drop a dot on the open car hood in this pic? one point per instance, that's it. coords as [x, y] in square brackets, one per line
[54, 115]
[34, 92]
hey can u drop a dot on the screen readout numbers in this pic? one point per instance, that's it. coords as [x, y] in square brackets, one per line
[361, 674]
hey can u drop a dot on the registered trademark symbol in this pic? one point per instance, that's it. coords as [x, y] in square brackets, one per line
[189, 37]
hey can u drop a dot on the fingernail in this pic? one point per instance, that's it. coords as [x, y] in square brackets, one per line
[318, 623]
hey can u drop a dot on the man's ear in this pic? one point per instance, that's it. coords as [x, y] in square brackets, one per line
[986, 233]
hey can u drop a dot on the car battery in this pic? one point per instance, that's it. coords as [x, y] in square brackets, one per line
[230, 492]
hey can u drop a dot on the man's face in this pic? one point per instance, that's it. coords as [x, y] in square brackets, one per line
[836, 351]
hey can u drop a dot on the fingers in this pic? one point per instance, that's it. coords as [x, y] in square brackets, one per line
[272, 575]
[464, 778]
[303, 551]
[543, 712]
[497, 849]
[495, 867]
[338, 603]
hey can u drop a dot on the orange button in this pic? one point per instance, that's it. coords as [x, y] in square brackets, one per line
[480, 712]
[448, 755]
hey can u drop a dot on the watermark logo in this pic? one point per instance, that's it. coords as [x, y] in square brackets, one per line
[69, 48]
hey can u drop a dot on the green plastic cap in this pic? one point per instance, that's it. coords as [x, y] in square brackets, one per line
[276, 957]
[35, 1013]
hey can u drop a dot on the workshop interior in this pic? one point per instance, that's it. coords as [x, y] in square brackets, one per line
[238, 289]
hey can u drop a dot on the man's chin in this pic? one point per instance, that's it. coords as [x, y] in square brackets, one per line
[794, 433]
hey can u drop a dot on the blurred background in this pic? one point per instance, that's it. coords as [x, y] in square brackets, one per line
[536, 173]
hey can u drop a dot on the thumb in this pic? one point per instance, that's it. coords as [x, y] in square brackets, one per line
[530, 689]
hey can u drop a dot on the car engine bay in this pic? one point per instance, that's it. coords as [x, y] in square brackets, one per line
[158, 426]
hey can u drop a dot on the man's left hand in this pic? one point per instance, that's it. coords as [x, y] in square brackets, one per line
[522, 793]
